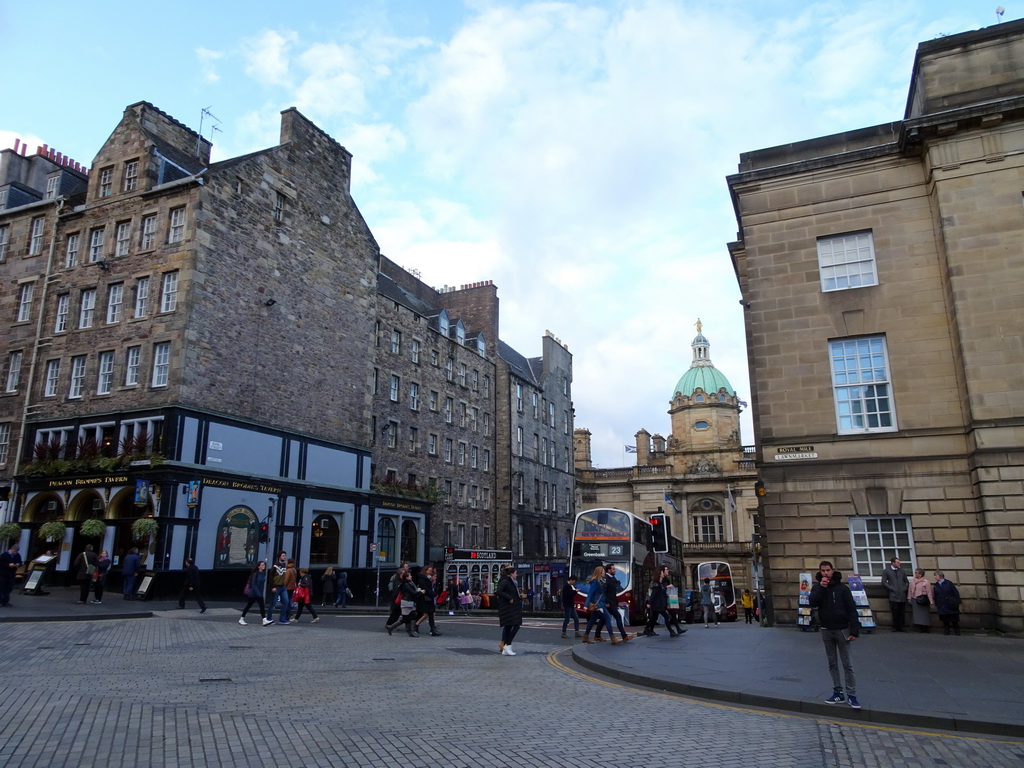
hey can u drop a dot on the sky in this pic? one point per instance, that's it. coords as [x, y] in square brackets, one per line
[575, 153]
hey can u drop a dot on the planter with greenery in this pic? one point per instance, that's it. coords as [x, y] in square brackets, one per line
[9, 532]
[54, 530]
[93, 529]
[145, 527]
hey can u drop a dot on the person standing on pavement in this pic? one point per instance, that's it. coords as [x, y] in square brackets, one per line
[190, 586]
[595, 604]
[707, 602]
[895, 580]
[129, 571]
[747, 601]
[612, 614]
[102, 568]
[840, 626]
[510, 608]
[921, 599]
[327, 584]
[569, 607]
[85, 564]
[947, 603]
[278, 593]
[254, 593]
[428, 598]
[9, 563]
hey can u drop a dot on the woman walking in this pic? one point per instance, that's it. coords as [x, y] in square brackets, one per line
[327, 582]
[254, 592]
[100, 576]
[427, 600]
[921, 597]
[947, 603]
[408, 592]
[510, 608]
[595, 604]
[657, 605]
[304, 595]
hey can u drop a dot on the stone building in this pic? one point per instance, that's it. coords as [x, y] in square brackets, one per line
[882, 269]
[701, 475]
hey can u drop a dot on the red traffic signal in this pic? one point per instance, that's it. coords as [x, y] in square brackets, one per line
[264, 533]
[659, 532]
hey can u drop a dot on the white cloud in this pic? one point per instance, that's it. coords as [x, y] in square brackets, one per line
[207, 60]
[267, 56]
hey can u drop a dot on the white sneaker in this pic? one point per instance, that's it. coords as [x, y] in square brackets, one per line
[267, 622]
[507, 651]
[243, 622]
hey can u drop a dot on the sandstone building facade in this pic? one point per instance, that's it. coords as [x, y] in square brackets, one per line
[882, 269]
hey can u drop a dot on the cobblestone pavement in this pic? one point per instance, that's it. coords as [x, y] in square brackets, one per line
[182, 689]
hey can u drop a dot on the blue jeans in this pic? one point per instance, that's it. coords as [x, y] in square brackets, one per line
[342, 598]
[279, 595]
[596, 619]
[569, 612]
[614, 615]
[129, 585]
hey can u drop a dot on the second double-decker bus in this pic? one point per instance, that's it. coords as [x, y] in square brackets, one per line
[603, 536]
[720, 574]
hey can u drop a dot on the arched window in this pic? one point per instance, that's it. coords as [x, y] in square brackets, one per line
[410, 541]
[325, 542]
[698, 399]
[238, 537]
[386, 539]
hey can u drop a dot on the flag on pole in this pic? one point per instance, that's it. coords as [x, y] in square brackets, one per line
[668, 500]
[630, 448]
[732, 501]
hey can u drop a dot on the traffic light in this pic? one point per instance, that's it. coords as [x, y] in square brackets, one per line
[659, 532]
[759, 489]
[264, 533]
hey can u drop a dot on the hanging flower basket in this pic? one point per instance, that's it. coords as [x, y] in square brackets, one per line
[9, 532]
[93, 529]
[145, 526]
[53, 531]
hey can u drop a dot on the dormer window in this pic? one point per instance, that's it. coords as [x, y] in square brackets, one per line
[442, 323]
[460, 332]
[51, 187]
[481, 345]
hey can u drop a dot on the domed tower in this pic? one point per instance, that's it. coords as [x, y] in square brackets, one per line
[704, 408]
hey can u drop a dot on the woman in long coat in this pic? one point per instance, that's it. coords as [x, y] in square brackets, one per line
[921, 611]
[510, 608]
[947, 602]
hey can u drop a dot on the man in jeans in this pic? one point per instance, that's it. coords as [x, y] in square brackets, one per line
[569, 607]
[839, 627]
[611, 606]
[278, 590]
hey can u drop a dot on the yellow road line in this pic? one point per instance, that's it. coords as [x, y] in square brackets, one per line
[554, 661]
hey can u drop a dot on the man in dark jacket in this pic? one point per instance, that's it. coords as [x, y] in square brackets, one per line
[9, 563]
[190, 588]
[840, 626]
[129, 570]
[427, 600]
[612, 615]
[895, 580]
[569, 607]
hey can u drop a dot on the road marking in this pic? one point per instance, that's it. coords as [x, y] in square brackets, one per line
[554, 661]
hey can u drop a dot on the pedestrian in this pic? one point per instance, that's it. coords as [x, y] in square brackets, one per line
[85, 565]
[747, 601]
[921, 597]
[510, 608]
[428, 598]
[394, 587]
[595, 604]
[408, 593]
[10, 561]
[840, 626]
[100, 576]
[129, 571]
[190, 586]
[895, 580]
[291, 581]
[303, 595]
[327, 584]
[569, 607]
[657, 606]
[612, 614]
[253, 592]
[707, 602]
[278, 593]
[947, 603]
[343, 593]
[672, 593]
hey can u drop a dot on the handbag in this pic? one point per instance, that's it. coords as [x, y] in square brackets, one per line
[248, 586]
[921, 599]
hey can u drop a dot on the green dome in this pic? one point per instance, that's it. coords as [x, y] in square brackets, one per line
[702, 374]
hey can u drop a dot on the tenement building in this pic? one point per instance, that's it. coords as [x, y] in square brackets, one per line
[882, 268]
[213, 360]
[701, 476]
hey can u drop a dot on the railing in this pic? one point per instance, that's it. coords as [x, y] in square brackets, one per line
[728, 547]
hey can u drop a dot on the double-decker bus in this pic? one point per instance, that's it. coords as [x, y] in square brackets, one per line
[720, 574]
[603, 536]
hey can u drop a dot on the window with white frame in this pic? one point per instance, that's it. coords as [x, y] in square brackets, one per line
[106, 182]
[462, 454]
[434, 399]
[5, 237]
[474, 457]
[473, 491]
[485, 503]
[447, 500]
[150, 429]
[115, 297]
[414, 439]
[131, 366]
[861, 386]
[392, 434]
[122, 238]
[148, 240]
[519, 441]
[105, 378]
[278, 207]
[87, 308]
[77, 377]
[462, 414]
[71, 251]
[25, 291]
[449, 405]
[5, 441]
[176, 232]
[161, 363]
[96, 237]
[35, 241]
[876, 540]
[707, 528]
[414, 396]
[396, 384]
[487, 460]
[449, 369]
[474, 419]
[462, 374]
[534, 401]
[52, 380]
[519, 398]
[432, 444]
[141, 296]
[63, 306]
[414, 351]
[448, 450]
[131, 175]
[169, 292]
[51, 187]
[487, 423]
[13, 371]
[847, 261]
[396, 342]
